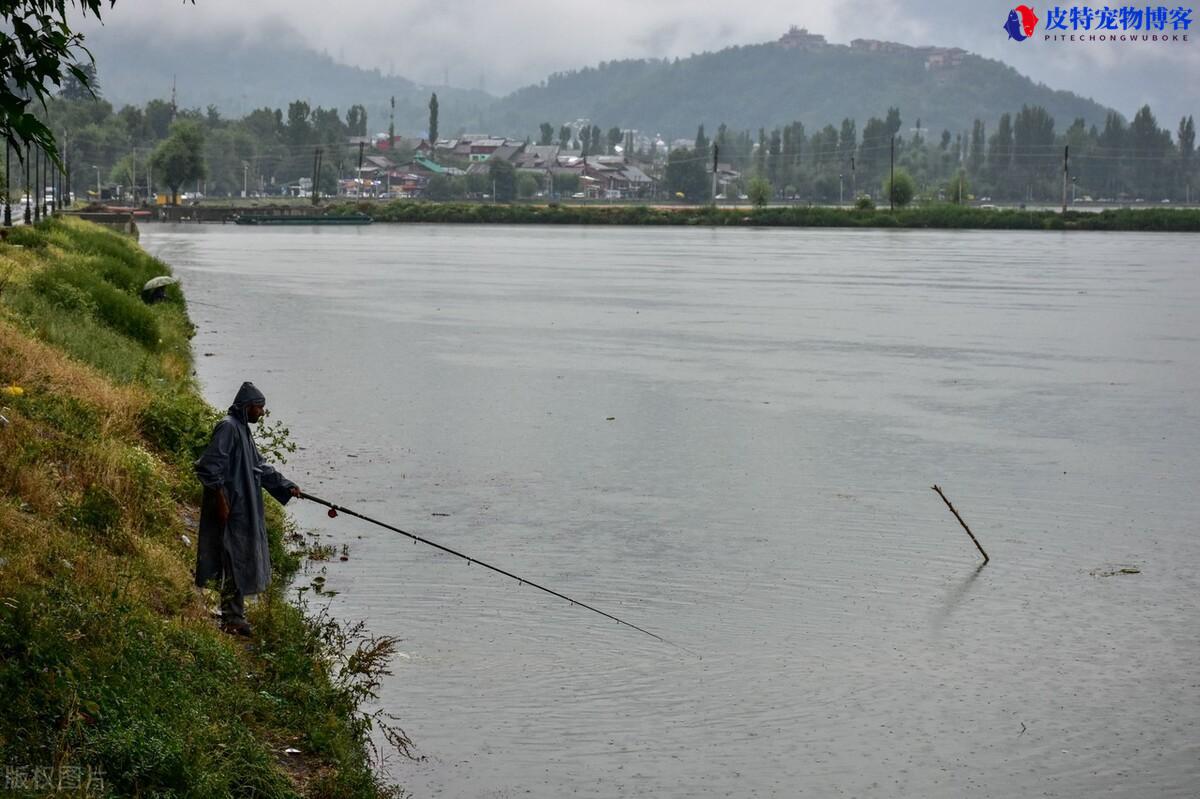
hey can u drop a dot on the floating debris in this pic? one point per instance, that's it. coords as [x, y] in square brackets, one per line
[1112, 571]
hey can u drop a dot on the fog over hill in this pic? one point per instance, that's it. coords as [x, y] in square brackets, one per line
[241, 72]
[801, 77]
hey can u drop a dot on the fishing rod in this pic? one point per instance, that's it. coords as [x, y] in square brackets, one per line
[334, 510]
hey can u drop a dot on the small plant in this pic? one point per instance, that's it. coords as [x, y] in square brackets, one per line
[274, 440]
[864, 203]
[759, 192]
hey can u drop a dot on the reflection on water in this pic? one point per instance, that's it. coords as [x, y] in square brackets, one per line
[727, 437]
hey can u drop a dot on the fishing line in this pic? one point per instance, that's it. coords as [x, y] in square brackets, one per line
[335, 509]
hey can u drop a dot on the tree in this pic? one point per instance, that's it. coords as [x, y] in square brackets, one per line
[847, 140]
[978, 152]
[685, 175]
[566, 183]
[614, 138]
[75, 89]
[438, 188]
[38, 50]
[356, 120]
[546, 131]
[1000, 153]
[433, 120]
[527, 185]
[564, 137]
[701, 140]
[503, 176]
[180, 157]
[298, 129]
[956, 189]
[900, 190]
[1187, 152]
[759, 191]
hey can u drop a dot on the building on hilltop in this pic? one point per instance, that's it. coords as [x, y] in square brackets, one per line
[801, 39]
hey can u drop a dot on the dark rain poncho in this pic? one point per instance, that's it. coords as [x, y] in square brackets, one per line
[233, 464]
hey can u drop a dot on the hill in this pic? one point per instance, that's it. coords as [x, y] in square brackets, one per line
[800, 77]
[240, 73]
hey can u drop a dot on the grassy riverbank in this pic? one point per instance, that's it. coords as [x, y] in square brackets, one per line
[931, 216]
[111, 666]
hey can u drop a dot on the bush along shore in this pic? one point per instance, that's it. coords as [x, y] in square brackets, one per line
[114, 679]
[926, 216]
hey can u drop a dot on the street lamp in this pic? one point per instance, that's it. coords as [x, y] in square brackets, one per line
[1074, 182]
[97, 168]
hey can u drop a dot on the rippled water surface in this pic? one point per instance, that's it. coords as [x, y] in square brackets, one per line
[729, 437]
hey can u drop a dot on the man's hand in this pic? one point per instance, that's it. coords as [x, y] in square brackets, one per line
[296, 492]
[222, 508]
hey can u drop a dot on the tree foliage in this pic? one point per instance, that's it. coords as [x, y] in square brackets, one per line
[759, 191]
[503, 176]
[180, 157]
[900, 189]
[38, 50]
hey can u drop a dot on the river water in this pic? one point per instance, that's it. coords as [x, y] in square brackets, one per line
[728, 437]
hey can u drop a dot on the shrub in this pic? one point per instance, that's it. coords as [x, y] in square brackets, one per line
[120, 311]
[178, 423]
[901, 189]
[759, 191]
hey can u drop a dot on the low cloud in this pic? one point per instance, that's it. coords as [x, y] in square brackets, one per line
[502, 46]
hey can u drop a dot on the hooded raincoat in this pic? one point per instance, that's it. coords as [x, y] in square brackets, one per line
[232, 464]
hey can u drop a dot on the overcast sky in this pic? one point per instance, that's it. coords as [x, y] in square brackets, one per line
[509, 44]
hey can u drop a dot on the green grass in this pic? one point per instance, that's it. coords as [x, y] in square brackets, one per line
[926, 216]
[109, 659]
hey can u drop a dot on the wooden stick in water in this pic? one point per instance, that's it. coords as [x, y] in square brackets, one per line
[964, 524]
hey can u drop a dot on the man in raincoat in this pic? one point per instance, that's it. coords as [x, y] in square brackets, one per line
[233, 535]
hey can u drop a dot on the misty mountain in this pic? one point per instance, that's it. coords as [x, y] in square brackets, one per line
[238, 74]
[798, 78]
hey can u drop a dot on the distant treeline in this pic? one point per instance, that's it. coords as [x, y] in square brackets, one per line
[1021, 160]
[262, 151]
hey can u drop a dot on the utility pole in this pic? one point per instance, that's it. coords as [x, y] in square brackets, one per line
[133, 175]
[360, 160]
[7, 184]
[316, 160]
[1066, 152]
[245, 176]
[853, 180]
[28, 190]
[98, 189]
[841, 193]
[716, 152]
[892, 179]
[37, 188]
[67, 171]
